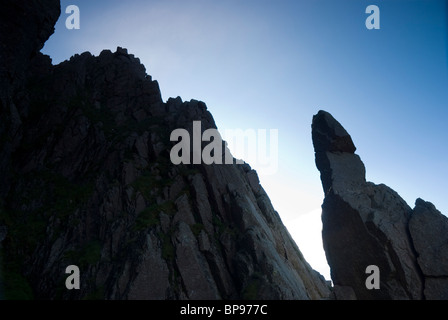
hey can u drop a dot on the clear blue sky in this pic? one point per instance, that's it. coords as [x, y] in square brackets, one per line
[265, 64]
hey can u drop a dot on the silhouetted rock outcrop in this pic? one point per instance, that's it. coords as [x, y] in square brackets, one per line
[85, 147]
[366, 224]
[429, 233]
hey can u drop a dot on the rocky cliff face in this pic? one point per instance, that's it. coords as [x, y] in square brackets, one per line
[88, 181]
[366, 224]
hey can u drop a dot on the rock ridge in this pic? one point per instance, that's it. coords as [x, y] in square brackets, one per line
[89, 181]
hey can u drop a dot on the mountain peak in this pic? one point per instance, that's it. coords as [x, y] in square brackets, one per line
[88, 181]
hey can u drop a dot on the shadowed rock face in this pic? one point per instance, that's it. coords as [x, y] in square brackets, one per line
[90, 183]
[366, 224]
[429, 232]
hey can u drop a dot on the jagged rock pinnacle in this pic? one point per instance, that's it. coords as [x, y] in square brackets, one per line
[334, 150]
[366, 224]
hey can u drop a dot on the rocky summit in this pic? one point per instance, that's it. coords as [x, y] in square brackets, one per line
[87, 181]
[365, 224]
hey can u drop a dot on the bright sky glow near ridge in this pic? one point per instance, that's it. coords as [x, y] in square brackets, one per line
[265, 64]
